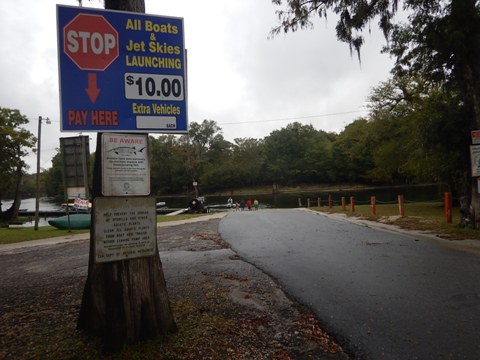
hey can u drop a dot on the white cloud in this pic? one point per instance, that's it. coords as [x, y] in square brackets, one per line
[235, 73]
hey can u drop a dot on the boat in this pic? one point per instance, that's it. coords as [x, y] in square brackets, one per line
[78, 206]
[76, 222]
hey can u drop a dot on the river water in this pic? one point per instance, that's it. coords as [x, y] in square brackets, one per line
[411, 193]
[29, 205]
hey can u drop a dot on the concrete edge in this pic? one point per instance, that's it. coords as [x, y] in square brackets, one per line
[5, 248]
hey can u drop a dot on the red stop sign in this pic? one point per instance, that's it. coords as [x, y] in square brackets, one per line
[91, 42]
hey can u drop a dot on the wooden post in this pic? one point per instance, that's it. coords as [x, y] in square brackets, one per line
[308, 203]
[352, 203]
[330, 202]
[343, 203]
[319, 202]
[401, 205]
[299, 202]
[373, 205]
[124, 301]
[448, 207]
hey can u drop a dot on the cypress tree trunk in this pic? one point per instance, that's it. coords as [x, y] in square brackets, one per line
[123, 301]
[12, 213]
[465, 19]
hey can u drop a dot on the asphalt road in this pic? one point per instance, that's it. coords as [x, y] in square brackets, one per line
[382, 294]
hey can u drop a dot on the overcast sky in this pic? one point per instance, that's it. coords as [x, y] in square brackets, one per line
[248, 83]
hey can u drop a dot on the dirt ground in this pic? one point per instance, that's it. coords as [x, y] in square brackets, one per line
[225, 308]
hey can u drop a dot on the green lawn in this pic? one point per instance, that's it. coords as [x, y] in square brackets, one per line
[427, 216]
[19, 234]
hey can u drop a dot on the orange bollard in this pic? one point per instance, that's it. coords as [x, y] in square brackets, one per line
[330, 202]
[373, 205]
[401, 205]
[352, 203]
[448, 207]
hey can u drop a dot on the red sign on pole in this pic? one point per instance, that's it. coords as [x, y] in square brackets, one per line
[475, 137]
[91, 42]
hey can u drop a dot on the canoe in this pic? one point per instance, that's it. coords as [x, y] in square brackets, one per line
[77, 222]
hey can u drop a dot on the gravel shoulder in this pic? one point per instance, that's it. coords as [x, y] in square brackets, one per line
[225, 308]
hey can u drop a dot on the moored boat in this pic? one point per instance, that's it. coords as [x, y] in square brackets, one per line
[76, 222]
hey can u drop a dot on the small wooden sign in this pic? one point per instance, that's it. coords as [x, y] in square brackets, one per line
[125, 228]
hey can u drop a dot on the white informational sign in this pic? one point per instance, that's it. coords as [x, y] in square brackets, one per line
[475, 159]
[125, 165]
[125, 228]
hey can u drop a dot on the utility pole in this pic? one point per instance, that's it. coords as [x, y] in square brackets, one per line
[37, 198]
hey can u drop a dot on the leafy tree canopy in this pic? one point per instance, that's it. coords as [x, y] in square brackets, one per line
[439, 42]
[16, 143]
[354, 16]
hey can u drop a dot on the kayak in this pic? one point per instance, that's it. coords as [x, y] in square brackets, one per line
[77, 222]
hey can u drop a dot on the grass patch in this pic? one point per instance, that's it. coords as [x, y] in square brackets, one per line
[164, 218]
[19, 234]
[423, 216]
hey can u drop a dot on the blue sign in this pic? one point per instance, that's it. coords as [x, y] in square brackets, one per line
[121, 71]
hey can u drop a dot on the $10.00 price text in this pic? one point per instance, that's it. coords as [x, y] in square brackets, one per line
[153, 87]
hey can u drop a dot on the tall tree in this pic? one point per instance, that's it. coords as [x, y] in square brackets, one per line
[296, 154]
[418, 132]
[352, 153]
[233, 165]
[16, 142]
[441, 41]
[247, 165]
[124, 301]
[195, 145]
[167, 168]
[54, 177]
